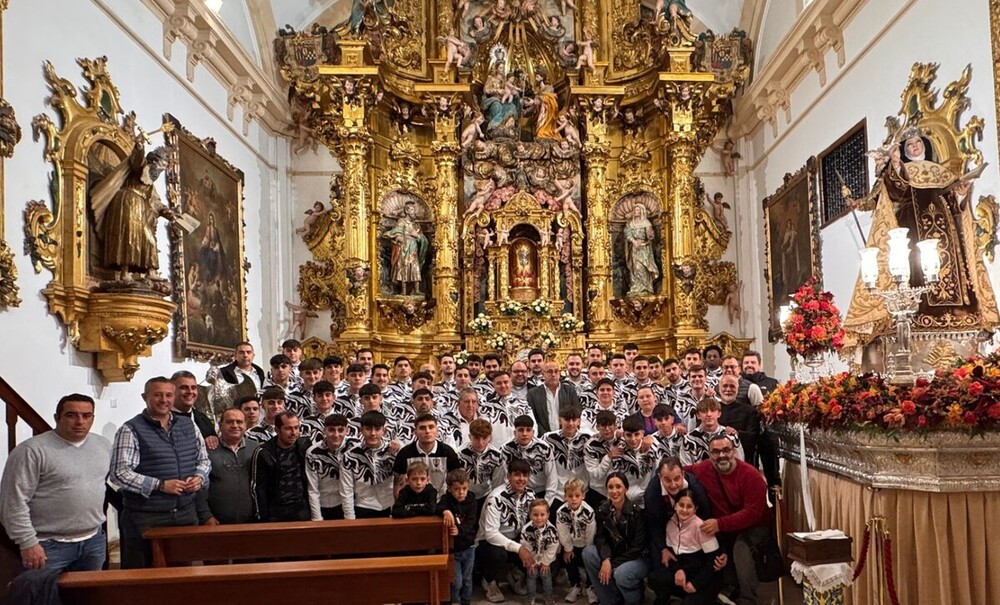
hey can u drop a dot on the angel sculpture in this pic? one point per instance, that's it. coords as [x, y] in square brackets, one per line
[719, 207]
[312, 215]
[297, 324]
[472, 132]
[303, 137]
[553, 29]
[732, 302]
[567, 3]
[458, 51]
[567, 54]
[564, 197]
[586, 55]
[570, 133]
[728, 156]
[484, 188]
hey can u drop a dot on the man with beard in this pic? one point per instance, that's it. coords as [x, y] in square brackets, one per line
[574, 373]
[279, 473]
[536, 357]
[752, 371]
[367, 359]
[186, 386]
[519, 379]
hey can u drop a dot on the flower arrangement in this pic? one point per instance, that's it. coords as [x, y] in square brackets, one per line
[569, 323]
[814, 325]
[963, 398]
[481, 325]
[540, 307]
[498, 341]
[548, 340]
[510, 308]
[461, 358]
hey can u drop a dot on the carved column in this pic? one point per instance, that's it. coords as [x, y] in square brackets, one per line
[682, 159]
[446, 282]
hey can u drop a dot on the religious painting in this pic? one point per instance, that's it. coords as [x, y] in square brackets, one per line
[636, 244]
[843, 173]
[791, 234]
[405, 237]
[208, 267]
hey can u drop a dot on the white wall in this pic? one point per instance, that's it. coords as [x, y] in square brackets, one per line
[882, 42]
[35, 357]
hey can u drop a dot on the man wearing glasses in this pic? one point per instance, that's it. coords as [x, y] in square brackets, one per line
[738, 495]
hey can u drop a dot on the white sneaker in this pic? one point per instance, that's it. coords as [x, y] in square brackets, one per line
[518, 582]
[724, 600]
[573, 594]
[592, 596]
[493, 594]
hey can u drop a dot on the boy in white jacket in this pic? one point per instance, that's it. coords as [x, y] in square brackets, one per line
[576, 525]
[540, 537]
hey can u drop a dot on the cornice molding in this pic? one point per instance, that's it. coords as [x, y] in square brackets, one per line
[817, 31]
[209, 43]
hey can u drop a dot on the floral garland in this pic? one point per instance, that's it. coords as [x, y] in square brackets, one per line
[814, 325]
[540, 307]
[498, 341]
[510, 308]
[569, 323]
[461, 358]
[481, 325]
[549, 340]
[963, 398]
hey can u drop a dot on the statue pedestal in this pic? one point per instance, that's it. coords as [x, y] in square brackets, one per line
[120, 328]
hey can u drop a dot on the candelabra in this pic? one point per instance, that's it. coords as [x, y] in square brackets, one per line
[902, 301]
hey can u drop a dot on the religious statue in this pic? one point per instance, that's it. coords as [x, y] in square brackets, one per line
[502, 116]
[546, 103]
[719, 206]
[409, 251]
[125, 207]
[523, 265]
[639, 256]
[297, 323]
[312, 215]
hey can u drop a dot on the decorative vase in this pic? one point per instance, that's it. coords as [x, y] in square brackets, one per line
[815, 360]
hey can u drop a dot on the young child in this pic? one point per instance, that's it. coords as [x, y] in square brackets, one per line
[576, 526]
[692, 567]
[542, 540]
[417, 498]
[461, 516]
[538, 455]
[694, 449]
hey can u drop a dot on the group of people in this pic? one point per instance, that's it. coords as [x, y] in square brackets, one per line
[634, 469]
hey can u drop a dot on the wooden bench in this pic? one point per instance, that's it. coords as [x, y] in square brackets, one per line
[354, 581]
[299, 539]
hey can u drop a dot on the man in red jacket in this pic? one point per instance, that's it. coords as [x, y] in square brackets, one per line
[738, 495]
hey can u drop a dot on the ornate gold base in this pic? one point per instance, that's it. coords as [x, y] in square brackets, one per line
[122, 327]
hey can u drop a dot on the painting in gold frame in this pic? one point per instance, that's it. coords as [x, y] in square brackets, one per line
[791, 240]
[208, 265]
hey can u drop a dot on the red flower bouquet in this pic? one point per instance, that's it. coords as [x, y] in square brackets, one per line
[814, 325]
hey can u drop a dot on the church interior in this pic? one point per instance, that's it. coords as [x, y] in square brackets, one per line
[811, 181]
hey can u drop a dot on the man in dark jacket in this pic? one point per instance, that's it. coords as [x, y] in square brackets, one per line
[279, 473]
[659, 499]
[753, 373]
[766, 446]
[228, 498]
[549, 397]
[186, 387]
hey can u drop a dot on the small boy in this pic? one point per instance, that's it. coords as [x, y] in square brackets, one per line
[541, 539]
[461, 516]
[323, 462]
[576, 525]
[667, 436]
[538, 455]
[567, 446]
[417, 498]
[695, 446]
[603, 449]
[637, 462]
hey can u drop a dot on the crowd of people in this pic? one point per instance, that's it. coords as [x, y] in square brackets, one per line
[623, 470]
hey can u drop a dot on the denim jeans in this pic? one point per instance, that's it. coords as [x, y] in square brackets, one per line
[626, 580]
[533, 575]
[461, 586]
[88, 555]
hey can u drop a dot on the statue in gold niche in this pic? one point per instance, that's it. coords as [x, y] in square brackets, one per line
[409, 251]
[524, 275]
[639, 257]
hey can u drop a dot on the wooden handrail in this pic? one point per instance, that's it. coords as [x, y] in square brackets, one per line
[18, 407]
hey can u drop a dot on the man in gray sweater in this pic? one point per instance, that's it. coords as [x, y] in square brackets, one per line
[53, 492]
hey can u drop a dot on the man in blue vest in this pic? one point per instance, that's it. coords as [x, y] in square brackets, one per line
[158, 462]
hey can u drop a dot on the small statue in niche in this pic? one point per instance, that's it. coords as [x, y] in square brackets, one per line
[457, 51]
[409, 251]
[125, 208]
[312, 215]
[297, 323]
[586, 60]
[719, 206]
[639, 256]
[357, 279]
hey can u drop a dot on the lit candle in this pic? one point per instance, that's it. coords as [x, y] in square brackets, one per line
[899, 255]
[869, 267]
[930, 260]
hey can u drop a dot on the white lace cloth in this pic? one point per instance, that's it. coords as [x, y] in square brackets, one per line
[824, 577]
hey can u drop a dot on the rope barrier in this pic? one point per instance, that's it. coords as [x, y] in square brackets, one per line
[890, 582]
[863, 557]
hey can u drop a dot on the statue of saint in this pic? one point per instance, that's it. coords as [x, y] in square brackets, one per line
[125, 207]
[524, 275]
[546, 104]
[409, 250]
[639, 256]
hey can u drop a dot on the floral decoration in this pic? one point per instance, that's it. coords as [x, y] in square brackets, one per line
[510, 308]
[498, 341]
[548, 340]
[540, 307]
[461, 358]
[814, 325]
[966, 397]
[569, 323]
[481, 325]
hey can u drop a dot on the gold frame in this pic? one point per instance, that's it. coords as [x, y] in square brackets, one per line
[8, 271]
[178, 139]
[808, 175]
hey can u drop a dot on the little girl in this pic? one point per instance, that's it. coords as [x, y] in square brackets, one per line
[691, 574]
[540, 537]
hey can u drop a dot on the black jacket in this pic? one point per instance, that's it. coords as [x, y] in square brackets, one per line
[658, 512]
[228, 373]
[265, 483]
[623, 540]
[765, 382]
[540, 408]
[466, 517]
[745, 419]
[411, 504]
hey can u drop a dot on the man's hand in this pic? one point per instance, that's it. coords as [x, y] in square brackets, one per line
[527, 559]
[647, 442]
[568, 555]
[720, 562]
[174, 487]
[192, 484]
[211, 442]
[394, 446]
[689, 588]
[605, 574]
[666, 557]
[710, 527]
[33, 557]
[731, 431]
[543, 568]
[681, 429]
[212, 521]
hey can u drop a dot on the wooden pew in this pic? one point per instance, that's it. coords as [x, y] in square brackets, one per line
[299, 539]
[353, 581]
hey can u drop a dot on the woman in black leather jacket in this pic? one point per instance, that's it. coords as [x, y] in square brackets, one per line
[616, 562]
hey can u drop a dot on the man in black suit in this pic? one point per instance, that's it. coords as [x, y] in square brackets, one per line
[242, 367]
[546, 399]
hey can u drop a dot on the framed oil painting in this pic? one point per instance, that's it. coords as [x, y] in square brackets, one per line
[791, 239]
[207, 258]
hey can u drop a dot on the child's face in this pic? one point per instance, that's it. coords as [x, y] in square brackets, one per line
[606, 431]
[479, 444]
[710, 418]
[665, 425]
[574, 498]
[524, 434]
[539, 516]
[459, 491]
[684, 508]
[417, 482]
[633, 439]
[569, 426]
[373, 435]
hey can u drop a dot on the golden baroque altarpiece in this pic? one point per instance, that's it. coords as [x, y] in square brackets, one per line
[515, 174]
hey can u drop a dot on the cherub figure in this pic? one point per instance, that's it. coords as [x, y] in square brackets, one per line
[562, 238]
[567, 3]
[569, 131]
[484, 188]
[317, 210]
[297, 323]
[631, 117]
[553, 29]
[719, 207]
[567, 54]
[503, 236]
[728, 156]
[510, 89]
[501, 11]
[457, 51]
[564, 196]
[472, 132]
[732, 302]
[481, 30]
[484, 237]
[586, 55]
[461, 7]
